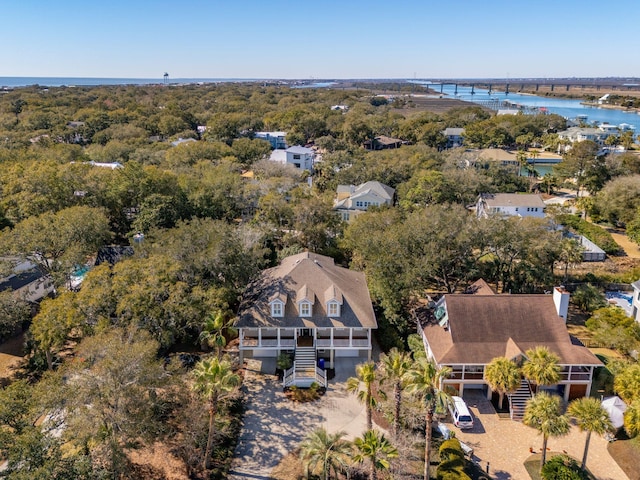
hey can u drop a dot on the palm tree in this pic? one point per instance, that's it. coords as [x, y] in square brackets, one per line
[521, 156]
[570, 253]
[395, 365]
[543, 414]
[365, 374]
[627, 383]
[213, 331]
[632, 418]
[425, 379]
[503, 376]
[590, 417]
[322, 451]
[373, 446]
[214, 380]
[541, 367]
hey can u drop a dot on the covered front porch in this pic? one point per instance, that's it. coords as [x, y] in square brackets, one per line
[332, 342]
[575, 380]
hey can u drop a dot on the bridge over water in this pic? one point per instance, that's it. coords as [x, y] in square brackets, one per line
[538, 85]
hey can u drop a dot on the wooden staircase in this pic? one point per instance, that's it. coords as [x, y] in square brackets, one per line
[304, 371]
[518, 400]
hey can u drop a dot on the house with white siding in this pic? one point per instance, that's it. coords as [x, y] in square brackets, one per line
[299, 157]
[311, 308]
[510, 204]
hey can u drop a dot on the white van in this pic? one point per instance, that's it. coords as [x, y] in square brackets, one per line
[460, 413]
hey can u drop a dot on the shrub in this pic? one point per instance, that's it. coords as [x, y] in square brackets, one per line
[451, 449]
[452, 461]
[562, 467]
[284, 362]
[596, 234]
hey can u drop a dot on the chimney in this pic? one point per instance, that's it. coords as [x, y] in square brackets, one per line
[561, 300]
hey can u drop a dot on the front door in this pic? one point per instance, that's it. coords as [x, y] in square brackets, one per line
[305, 337]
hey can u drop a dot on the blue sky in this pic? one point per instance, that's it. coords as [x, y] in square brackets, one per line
[327, 39]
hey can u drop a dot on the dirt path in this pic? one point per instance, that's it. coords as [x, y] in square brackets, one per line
[629, 247]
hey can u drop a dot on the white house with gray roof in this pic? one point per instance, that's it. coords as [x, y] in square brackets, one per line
[299, 157]
[353, 200]
[310, 307]
[510, 204]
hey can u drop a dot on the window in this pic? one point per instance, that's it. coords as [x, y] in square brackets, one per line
[297, 164]
[305, 309]
[359, 203]
[333, 309]
[276, 309]
[296, 157]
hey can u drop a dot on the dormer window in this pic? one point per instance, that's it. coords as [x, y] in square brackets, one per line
[305, 309]
[277, 308]
[333, 309]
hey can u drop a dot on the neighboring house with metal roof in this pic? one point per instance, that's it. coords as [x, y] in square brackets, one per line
[635, 302]
[353, 200]
[467, 331]
[27, 282]
[310, 307]
[513, 204]
[301, 158]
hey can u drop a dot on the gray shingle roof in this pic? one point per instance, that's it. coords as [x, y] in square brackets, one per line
[314, 274]
[513, 200]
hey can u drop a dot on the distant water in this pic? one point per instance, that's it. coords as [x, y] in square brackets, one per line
[568, 108]
[90, 81]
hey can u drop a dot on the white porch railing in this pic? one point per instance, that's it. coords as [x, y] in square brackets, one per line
[304, 378]
[290, 344]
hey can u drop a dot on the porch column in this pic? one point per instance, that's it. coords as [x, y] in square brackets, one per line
[278, 334]
[489, 393]
[461, 388]
[351, 338]
[259, 337]
[331, 337]
[369, 337]
[331, 357]
[567, 390]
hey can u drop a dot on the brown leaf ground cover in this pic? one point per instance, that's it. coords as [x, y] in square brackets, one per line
[626, 453]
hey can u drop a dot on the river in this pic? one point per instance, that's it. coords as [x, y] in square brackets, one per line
[564, 107]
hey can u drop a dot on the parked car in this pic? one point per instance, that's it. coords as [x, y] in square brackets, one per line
[446, 434]
[460, 414]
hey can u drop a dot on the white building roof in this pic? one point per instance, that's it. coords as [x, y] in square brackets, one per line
[300, 150]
